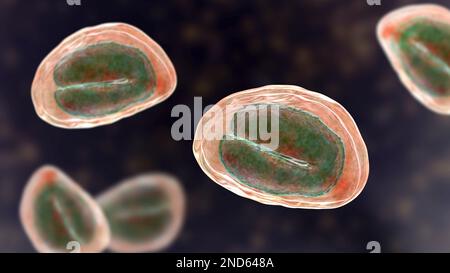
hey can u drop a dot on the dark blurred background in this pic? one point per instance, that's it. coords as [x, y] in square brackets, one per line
[219, 47]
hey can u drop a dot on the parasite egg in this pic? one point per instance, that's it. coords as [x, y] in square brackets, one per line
[283, 145]
[416, 40]
[100, 75]
[145, 213]
[57, 214]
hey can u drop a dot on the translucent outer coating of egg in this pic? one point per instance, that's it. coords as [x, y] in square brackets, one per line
[44, 86]
[80, 204]
[131, 190]
[389, 30]
[356, 163]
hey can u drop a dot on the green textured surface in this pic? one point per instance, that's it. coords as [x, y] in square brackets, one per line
[138, 214]
[62, 216]
[425, 53]
[308, 161]
[102, 79]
